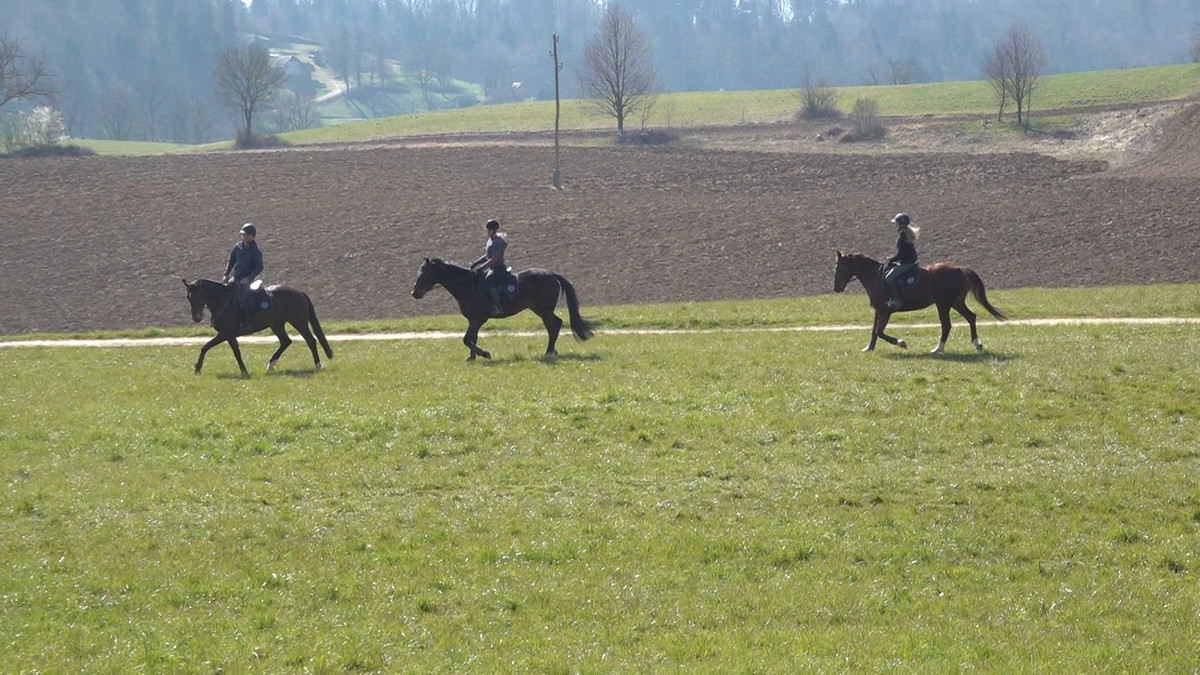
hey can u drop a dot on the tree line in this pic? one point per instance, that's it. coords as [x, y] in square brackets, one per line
[143, 69]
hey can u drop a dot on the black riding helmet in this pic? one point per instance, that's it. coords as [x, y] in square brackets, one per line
[901, 219]
[248, 228]
[493, 224]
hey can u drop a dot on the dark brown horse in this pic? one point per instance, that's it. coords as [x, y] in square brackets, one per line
[941, 284]
[538, 290]
[288, 305]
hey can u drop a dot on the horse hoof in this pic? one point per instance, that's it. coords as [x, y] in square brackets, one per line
[901, 344]
[486, 355]
[869, 348]
[270, 366]
[978, 346]
[320, 366]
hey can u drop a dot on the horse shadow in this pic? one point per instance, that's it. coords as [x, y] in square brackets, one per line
[549, 360]
[956, 357]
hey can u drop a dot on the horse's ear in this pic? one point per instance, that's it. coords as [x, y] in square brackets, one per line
[185, 282]
[839, 254]
[427, 261]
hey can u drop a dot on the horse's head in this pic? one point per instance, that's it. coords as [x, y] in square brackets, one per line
[195, 299]
[427, 278]
[843, 273]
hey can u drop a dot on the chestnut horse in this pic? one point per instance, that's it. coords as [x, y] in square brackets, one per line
[288, 305]
[942, 284]
[537, 290]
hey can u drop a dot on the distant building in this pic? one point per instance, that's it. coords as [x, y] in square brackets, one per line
[299, 75]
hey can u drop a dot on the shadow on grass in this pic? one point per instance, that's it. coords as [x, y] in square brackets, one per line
[549, 360]
[957, 357]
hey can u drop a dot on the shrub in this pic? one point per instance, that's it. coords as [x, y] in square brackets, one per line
[817, 101]
[865, 118]
[647, 137]
[256, 141]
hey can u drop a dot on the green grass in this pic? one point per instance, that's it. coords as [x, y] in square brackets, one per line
[693, 109]
[696, 109]
[1152, 300]
[730, 500]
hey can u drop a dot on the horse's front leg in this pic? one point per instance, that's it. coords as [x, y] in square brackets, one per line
[944, 315]
[204, 350]
[471, 340]
[881, 321]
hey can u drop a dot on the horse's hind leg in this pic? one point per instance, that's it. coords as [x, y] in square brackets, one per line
[284, 342]
[312, 344]
[237, 354]
[967, 314]
[553, 326]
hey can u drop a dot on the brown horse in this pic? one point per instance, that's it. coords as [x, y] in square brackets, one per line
[537, 290]
[942, 284]
[288, 305]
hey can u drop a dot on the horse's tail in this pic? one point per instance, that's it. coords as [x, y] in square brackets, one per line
[980, 294]
[580, 326]
[316, 325]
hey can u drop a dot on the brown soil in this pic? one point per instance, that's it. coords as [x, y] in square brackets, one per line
[754, 212]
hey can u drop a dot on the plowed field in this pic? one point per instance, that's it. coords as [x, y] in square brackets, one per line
[102, 242]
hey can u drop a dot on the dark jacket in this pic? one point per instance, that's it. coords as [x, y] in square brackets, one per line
[906, 251]
[246, 262]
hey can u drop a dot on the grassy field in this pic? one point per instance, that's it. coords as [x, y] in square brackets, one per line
[697, 109]
[733, 499]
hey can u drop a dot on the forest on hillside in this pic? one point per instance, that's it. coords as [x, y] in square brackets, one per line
[142, 69]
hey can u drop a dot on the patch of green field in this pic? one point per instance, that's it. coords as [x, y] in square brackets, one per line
[697, 109]
[748, 500]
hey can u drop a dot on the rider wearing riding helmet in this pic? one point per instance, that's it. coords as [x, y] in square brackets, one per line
[492, 261]
[905, 257]
[245, 264]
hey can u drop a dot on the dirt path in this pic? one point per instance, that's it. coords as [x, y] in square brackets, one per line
[448, 335]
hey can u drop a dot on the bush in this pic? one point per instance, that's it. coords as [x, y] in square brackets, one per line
[257, 141]
[54, 150]
[865, 118]
[41, 127]
[647, 137]
[817, 101]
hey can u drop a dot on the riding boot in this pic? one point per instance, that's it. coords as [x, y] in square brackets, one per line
[497, 305]
[894, 302]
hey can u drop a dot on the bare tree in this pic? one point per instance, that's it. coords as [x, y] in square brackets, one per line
[997, 75]
[1016, 64]
[246, 80]
[618, 77]
[817, 99]
[21, 76]
[293, 112]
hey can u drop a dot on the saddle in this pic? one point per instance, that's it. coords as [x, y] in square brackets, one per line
[904, 281]
[504, 282]
[259, 296]
[909, 277]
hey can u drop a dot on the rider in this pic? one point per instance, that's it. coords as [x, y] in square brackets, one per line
[245, 264]
[905, 258]
[493, 262]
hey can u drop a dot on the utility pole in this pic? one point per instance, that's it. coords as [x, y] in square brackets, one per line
[557, 103]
